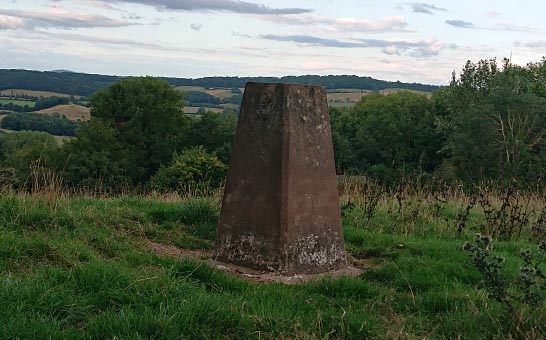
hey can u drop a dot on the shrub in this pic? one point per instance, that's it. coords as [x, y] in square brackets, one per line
[192, 168]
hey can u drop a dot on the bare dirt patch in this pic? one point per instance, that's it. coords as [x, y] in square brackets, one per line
[253, 275]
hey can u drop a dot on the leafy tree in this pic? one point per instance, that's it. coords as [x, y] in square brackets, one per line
[387, 136]
[497, 121]
[214, 132]
[146, 114]
[95, 158]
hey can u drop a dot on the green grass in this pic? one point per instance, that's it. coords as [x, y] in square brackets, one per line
[80, 268]
[19, 102]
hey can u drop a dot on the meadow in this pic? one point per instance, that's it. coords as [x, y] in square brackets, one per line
[19, 102]
[77, 265]
[33, 93]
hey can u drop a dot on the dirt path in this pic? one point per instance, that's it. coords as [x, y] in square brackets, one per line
[352, 270]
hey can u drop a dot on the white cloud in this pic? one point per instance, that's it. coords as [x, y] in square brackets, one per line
[234, 6]
[387, 24]
[56, 17]
[9, 22]
[415, 48]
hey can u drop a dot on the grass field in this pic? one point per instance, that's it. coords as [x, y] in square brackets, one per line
[19, 102]
[82, 268]
[216, 92]
[70, 111]
[193, 109]
[42, 94]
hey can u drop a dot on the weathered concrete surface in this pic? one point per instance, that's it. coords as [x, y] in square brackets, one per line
[281, 207]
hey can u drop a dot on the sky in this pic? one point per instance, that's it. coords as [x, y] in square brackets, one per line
[390, 40]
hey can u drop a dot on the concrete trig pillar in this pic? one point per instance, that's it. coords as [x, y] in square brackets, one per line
[280, 210]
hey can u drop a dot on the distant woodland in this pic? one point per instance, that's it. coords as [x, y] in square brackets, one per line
[86, 84]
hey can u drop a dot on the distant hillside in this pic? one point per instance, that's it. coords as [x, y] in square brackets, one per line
[83, 84]
[70, 111]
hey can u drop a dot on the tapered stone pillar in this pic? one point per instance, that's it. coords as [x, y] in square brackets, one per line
[280, 210]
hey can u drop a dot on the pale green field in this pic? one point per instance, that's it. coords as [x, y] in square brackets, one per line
[17, 102]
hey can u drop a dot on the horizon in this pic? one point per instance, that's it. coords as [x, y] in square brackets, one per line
[393, 41]
[232, 76]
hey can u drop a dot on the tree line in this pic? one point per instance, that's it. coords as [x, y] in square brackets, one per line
[489, 124]
[40, 104]
[55, 125]
[86, 84]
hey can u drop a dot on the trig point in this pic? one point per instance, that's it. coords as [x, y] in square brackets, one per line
[280, 210]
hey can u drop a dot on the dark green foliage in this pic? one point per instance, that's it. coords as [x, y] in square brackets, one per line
[236, 99]
[66, 82]
[192, 168]
[214, 132]
[496, 120]
[137, 124]
[39, 104]
[55, 125]
[147, 115]
[196, 98]
[523, 296]
[490, 267]
[489, 124]
[96, 159]
[87, 84]
[22, 152]
[387, 136]
[48, 102]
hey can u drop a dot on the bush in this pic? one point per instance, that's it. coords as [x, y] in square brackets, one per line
[192, 168]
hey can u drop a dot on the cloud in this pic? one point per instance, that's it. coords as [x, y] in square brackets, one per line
[514, 28]
[492, 14]
[419, 48]
[234, 6]
[92, 3]
[238, 34]
[196, 27]
[418, 7]
[530, 44]
[11, 23]
[460, 23]
[310, 40]
[55, 17]
[107, 41]
[387, 24]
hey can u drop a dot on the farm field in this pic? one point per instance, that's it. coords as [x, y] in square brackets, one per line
[193, 110]
[42, 94]
[19, 102]
[96, 267]
[336, 98]
[70, 111]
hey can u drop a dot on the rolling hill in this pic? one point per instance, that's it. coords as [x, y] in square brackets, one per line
[83, 84]
[71, 111]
